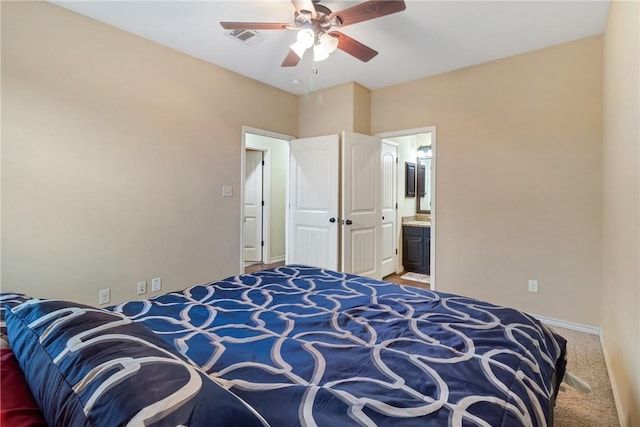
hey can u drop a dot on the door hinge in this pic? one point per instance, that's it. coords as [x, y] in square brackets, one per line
[396, 205]
[262, 243]
[263, 163]
[263, 203]
[396, 251]
[396, 160]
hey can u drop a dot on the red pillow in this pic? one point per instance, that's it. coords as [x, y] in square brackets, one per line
[18, 408]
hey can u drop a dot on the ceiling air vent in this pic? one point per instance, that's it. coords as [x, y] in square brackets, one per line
[247, 37]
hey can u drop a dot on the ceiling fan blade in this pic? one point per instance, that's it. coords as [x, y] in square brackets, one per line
[254, 25]
[354, 48]
[305, 5]
[368, 10]
[291, 60]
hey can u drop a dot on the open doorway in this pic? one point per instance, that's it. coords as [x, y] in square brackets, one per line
[414, 147]
[263, 195]
[275, 150]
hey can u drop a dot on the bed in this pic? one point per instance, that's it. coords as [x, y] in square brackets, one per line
[303, 346]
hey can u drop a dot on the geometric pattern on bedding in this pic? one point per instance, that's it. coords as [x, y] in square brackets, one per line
[88, 366]
[309, 346]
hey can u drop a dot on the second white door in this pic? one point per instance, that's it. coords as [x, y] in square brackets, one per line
[361, 213]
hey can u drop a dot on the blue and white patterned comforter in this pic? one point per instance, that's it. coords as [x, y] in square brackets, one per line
[312, 347]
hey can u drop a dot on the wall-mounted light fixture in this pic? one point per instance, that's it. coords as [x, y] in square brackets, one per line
[425, 151]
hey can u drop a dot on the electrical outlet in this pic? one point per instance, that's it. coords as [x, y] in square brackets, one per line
[104, 296]
[142, 288]
[533, 286]
[156, 284]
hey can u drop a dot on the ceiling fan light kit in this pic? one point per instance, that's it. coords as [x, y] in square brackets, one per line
[314, 23]
[327, 44]
[305, 40]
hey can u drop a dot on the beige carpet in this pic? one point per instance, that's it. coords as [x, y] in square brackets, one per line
[585, 360]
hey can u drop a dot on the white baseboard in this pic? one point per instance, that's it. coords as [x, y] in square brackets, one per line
[276, 259]
[569, 325]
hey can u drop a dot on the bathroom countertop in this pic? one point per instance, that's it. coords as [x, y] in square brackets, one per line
[424, 224]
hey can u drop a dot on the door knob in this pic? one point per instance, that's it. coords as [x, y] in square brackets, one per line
[349, 222]
[332, 219]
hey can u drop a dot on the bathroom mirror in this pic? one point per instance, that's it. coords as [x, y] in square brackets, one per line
[423, 185]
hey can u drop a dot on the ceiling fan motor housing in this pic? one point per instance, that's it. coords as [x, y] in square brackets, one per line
[321, 23]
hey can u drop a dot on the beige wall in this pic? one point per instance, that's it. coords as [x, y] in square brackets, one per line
[621, 208]
[114, 152]
[361, 109]
[333, 110]
[518, 186]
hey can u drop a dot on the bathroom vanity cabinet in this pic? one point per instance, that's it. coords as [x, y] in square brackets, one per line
[416, 249]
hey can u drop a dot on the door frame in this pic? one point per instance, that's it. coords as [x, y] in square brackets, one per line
[266, 187]
[434, 204]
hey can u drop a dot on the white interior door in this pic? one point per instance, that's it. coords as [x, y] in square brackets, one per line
[252, 232]
[313, 202]
[389, 196]
[361, 205]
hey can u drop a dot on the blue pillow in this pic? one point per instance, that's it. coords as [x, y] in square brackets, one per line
[87, 366]
[7, 301]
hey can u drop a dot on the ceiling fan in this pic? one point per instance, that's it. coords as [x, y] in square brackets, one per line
[314, 23]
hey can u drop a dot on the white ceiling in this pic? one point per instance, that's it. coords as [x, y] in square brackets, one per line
[428, 38]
